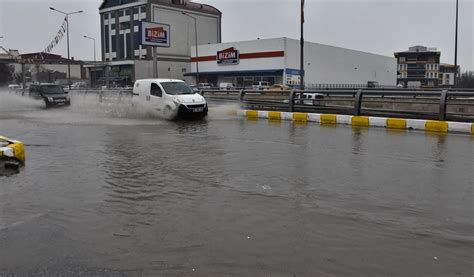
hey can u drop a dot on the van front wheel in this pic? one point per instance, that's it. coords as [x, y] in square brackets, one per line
[168, 113]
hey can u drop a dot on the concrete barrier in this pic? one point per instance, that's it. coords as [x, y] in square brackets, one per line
[362, 121]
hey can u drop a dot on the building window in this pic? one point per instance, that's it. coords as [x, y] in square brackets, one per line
[121, 53]
[112, 15]
[114, 43]
[127, 12]
[124, 25]
[106, 39]
[106, 16]
[137, 41]
[128, 40]
[112, 26]
[402, 59]
[135, 10]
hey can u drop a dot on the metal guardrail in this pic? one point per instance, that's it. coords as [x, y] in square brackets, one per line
[456, 105]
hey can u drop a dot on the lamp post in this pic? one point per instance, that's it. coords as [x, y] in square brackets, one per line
[93, 39]
[196, 45]
[302, 48]
[67, 31]
[456, 47]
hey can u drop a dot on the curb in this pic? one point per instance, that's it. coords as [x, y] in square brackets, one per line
[362, 121]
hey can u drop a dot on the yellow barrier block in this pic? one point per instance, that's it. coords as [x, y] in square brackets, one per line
[472, 129]
[360, 121]
[274, 116]
[300, 117]
[436, 126]
[396, 123]
[251, 114]
[328, 119]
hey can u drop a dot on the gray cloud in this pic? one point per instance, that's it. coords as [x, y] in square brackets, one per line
[381, 26]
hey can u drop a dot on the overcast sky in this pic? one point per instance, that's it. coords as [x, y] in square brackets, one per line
[378, 26]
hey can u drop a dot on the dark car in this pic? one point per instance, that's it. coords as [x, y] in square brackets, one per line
[51, 94]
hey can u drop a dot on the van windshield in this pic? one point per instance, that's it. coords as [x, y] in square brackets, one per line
[176, 88]
[53, 89]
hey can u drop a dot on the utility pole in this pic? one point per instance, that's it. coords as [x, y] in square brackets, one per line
[302, 48]
[67, 31]
[456, 47]
[93, 39]
[196, 45]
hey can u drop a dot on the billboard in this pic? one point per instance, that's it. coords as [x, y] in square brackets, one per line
[154, 34]
[228, 56]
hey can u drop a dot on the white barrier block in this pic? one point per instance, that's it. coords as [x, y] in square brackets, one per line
[416, 124]
[344, 119]
[314, 117]
[460, 127]
[378, 121]
[286, 116]
[263, 114]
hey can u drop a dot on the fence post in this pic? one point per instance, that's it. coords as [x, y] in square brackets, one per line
[291, 103]
[442, 105]
[358, 102]
[241, 95]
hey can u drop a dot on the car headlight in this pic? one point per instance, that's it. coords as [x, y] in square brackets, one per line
[178, 101]
[50, 99]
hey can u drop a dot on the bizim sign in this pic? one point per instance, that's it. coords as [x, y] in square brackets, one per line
[154, 34]
[228, 56]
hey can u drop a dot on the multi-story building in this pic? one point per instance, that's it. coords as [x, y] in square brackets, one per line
[447, 74]
[127, 59]
[418, 67]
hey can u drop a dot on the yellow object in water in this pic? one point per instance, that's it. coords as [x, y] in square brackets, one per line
[12, 149]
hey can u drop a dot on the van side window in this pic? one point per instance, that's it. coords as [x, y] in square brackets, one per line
[155, 90]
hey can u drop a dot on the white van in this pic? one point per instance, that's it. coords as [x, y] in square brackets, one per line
[173, 98]
[226, 86]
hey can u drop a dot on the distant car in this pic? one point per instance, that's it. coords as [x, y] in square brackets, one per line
[79, 85]
[260, 85]
[204, 86]
[308, 99]
[278, 87]
[51, 94]
[14, 86]
[226, 86]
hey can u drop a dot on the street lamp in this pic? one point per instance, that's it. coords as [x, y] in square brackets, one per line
[456, 46]
[302, 48]
[93, 39]
[67, 31]
[196, 42]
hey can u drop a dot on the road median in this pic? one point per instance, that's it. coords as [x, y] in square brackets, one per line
[361, 121]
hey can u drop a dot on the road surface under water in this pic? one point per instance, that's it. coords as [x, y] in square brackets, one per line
[112, 191]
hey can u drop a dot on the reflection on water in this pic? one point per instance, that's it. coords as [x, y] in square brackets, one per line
[112, 194]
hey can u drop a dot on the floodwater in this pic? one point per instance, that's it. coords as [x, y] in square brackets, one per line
[113, 191]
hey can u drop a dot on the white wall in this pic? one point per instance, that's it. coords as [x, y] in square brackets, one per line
[172, 70]
[182, 33]
[252, 46]
[334, 65]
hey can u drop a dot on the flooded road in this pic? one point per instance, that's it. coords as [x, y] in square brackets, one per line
[112, 191]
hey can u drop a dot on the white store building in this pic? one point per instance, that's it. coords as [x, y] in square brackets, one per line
[278, 61]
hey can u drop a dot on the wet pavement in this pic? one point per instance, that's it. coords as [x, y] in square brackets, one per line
[113, 191]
